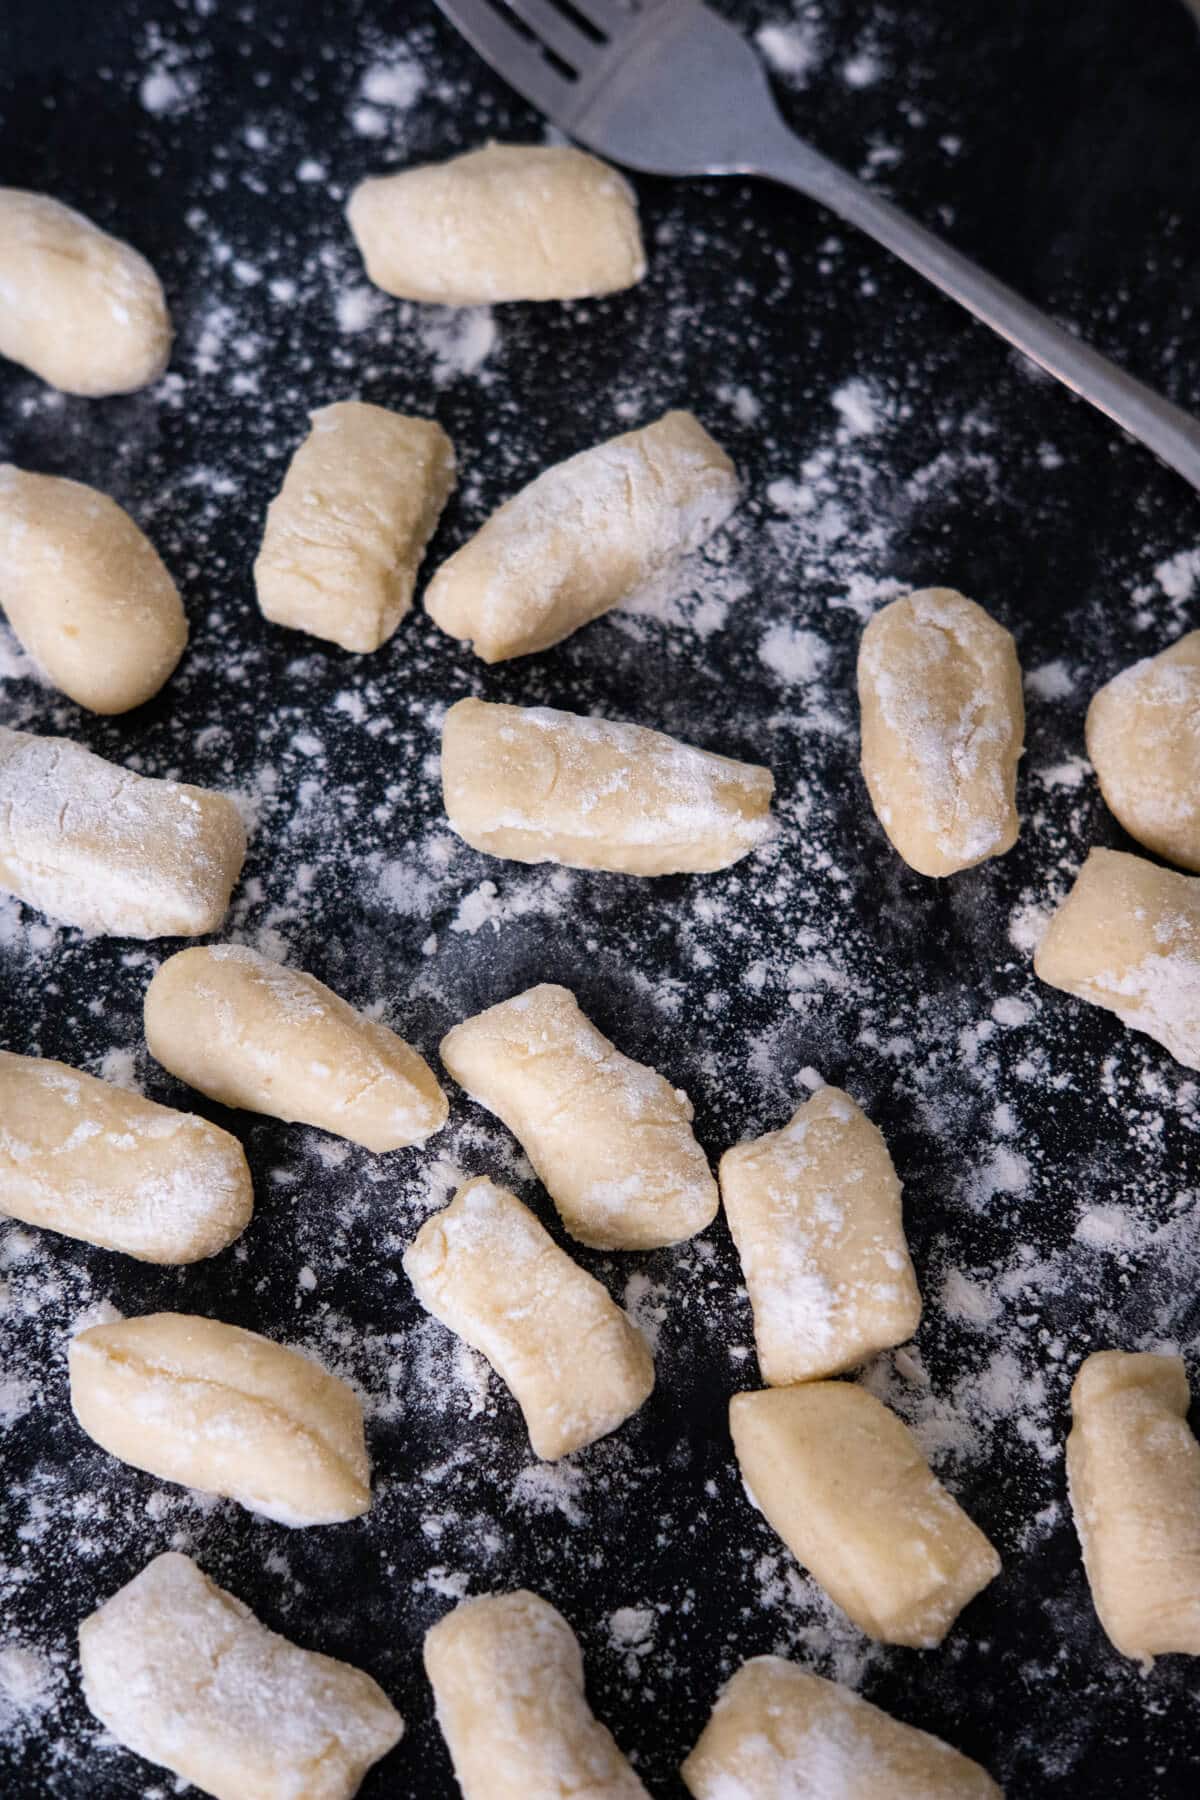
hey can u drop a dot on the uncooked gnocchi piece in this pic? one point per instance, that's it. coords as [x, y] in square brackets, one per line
[80, 1156]
[78, 307]
[587, 534]
[844, 1483]
[94, 845]
[609, 1137]
[507, 222]
[1143, 737]
[779, 1733]
[250, 1033]
[537, 785]
[226, 1411]
[815, 1213]
[1133, 1474]
[507, 1679]
[943, 726]
[183, 1674]
[1127, 938]
[576, 1365]
[347, 530]
[86, 592]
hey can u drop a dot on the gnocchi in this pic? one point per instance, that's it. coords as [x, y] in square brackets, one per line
[80, 1156]
[609, 1137]
[842, 1481]
[250, 1033]
[226, 1411]
[1143, 737]
[346, 533]
[537, 785]
[485, 1267]
[587, 534]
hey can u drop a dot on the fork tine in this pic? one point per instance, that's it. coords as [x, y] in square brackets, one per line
[511, 54]
[557, 31]
[613, 17]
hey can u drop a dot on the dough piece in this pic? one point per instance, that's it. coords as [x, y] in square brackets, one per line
[78, 307]
[536, 785]
[508, 222]
[1127, 938]
[1133, 1473]
[943, 726]
[250, 1033]
[94, 845]
[226, 1411]
[347, 531]
[507, 1679]
[576, 1365]
[844, 1484]
[584, 536]
[779, 1733]
[80, 1156]
[610, 1138]
[86, 592]
[185, 1675]
[815, 1213]
[1143, 736]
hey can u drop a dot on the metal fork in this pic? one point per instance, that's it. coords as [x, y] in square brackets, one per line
[669, 87]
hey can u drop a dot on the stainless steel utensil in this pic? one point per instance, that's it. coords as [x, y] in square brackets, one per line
[668, 87]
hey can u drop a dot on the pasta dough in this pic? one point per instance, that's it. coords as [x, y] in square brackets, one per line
[815, 1213]
[538, 785]
[486, 1268]
[584, 536]
[1133, 1472]
[86, 592]
[1127, 938]
[185, 1675]
[78, 307]
[80, 1156]
[226, 1411]
[844, 1484]
[507, 222]
[94, 845]
[779, 1733]
[1143, 736]
[507, 1680]
[943, 725]
[346, 533]
[251, 1033]
[611, 1140]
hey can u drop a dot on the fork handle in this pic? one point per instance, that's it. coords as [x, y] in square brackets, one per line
[1164, 428]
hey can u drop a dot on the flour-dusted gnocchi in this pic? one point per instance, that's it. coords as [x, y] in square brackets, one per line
[93, 1161]
[78, 307]
[587, 534]
[576, 1365]
[224, 1410]
[507, 222]
[86, 592]
[815, 1213]
[183, 1674]
[1133, 1472]
[537, 785]
[507, 1678]
[346, 532]
[1127, 938]
[1143, 736]
[251, 1033]
[609, 1137]
[95, 845]
[844, 1483]
[780, 1733]
[943, 726]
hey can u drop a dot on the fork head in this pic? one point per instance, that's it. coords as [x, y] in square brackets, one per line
[666, 86]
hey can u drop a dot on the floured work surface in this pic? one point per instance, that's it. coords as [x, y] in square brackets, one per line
[1047, 1154]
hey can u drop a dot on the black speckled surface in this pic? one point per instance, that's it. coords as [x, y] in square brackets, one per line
[1059, 146]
